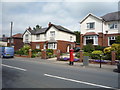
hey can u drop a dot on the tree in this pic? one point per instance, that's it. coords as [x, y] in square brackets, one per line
[117, 39]
[77, 33]
[37, 27]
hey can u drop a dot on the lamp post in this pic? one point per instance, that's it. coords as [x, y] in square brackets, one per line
[11, 33]
[100, 59]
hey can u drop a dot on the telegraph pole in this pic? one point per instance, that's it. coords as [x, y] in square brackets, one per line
[11, 25]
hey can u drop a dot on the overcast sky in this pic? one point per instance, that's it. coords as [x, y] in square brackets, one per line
[67, 14]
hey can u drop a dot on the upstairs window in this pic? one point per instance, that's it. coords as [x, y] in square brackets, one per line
[37, 37]
[52, 33]
[71, 38]
[91, 25]
[112, 26]
[26, 37]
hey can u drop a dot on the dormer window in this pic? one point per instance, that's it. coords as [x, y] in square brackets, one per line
[113, 26]
[91, 25]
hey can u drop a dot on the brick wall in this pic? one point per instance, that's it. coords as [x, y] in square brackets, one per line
[62, 45]
[102, 39]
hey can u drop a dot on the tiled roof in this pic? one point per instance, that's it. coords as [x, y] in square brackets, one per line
[115, 16]
[19, 35]
[90, 33]
[44, 30]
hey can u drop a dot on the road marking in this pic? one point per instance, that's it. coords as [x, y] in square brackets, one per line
[78, 81]
[14, 67]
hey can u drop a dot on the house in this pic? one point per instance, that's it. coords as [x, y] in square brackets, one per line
[100, 30]
[16, 41]
[53, 37]
[3, 40]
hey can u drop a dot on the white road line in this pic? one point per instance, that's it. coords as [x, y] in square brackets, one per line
[14, 67]
[102, 86]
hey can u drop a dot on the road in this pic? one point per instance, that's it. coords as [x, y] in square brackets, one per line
[23, 73]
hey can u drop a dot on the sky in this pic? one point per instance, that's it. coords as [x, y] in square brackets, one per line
[65, 13]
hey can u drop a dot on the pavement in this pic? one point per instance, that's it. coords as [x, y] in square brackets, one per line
[76, 64]
[40, 73]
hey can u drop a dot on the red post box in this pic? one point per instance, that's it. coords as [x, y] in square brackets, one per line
[71, 57]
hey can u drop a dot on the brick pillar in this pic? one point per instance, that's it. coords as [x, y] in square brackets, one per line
[81, 55]
[113, 57]
[30, 53]
[43, 54]
[81, 41]
[58, 54]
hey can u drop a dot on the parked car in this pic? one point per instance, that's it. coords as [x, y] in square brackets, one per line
[76, 49]
[6, 52]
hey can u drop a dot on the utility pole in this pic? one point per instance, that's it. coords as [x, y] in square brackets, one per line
[11, 25]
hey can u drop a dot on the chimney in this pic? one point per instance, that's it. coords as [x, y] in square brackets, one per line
[49, 24]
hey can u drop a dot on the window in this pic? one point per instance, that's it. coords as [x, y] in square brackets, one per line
[70, 38]
[12, 40]
[111, 40]
[44, 45]
[113, 26]
[91, 25]
[37, 46]
[37, 37]
[52, 33]
[52, 46]
[26, 37]
[91, 39]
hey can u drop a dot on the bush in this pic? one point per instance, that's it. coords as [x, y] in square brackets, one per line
[36, 50]
[49, 53]
[99, 47]
[88, 48]
[24, 50]
[86, 54]
[98, 52]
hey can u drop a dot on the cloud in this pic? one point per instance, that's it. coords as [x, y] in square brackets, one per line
[67, 14]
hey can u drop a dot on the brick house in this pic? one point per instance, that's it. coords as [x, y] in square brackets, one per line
[100, 30]
[53, 37]
[16, 41]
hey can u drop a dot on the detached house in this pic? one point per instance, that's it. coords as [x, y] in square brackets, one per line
[100, 30]
[16, 41]
[53, 37]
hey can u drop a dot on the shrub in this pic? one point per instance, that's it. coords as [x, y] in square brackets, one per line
[99, 47]
[88, 48]
[49, 53]
[36, 50]
[98, 52]
[86, 54]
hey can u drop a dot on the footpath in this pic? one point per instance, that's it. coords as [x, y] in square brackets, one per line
[107, 67]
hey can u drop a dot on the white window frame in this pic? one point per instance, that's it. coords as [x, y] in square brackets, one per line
[37, 46]
[111, 38]
[89, 25]
[26, 37]
[94, 37]
[71, 38]
[52, 45]
[52, 33]
[37, 37]
[113, 26]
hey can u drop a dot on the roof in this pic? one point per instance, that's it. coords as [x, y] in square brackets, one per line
[60, 28]
[18, 35]
[90, 14]
[90, 33]
[44, 30]
[114, 16]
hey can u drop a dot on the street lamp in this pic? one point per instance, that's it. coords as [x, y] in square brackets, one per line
[100, 59]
